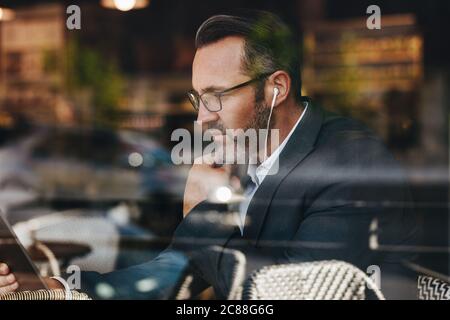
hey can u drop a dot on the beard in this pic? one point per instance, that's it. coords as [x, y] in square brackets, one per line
[257, 122]
[260, 117]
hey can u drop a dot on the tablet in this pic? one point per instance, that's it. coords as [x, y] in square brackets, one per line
[16, 257]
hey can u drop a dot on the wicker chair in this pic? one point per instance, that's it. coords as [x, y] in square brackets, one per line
[322, 280]
[227, 285]
[44, 295]
[432, 288]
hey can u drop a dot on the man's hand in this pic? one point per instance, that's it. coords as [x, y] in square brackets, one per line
[204, 177]
[202, 180]
[8, 282]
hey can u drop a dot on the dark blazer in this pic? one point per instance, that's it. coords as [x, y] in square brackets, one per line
[339, 194]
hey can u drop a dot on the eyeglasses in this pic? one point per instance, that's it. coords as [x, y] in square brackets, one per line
[213, 100]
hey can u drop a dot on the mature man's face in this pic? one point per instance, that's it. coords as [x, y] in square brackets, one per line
[218, 66]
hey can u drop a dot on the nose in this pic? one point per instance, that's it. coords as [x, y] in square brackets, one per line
[204, 115]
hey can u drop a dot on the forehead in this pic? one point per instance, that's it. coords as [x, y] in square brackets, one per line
[218, 64]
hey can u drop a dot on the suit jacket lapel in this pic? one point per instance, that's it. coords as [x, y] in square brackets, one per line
[300, 144]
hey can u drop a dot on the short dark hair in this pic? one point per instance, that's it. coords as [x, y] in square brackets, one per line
[269, 43]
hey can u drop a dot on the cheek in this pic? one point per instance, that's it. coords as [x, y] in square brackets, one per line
[237, 112]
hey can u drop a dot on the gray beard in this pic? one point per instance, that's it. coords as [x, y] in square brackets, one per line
[258, 122]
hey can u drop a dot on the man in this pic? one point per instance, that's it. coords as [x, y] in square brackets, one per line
[335, 184]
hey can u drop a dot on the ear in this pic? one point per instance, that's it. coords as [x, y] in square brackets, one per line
[281, 80]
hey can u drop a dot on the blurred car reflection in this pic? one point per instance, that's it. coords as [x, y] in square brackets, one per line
[125, 179]
[100, 165]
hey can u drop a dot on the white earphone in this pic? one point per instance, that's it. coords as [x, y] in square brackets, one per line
[276, 91]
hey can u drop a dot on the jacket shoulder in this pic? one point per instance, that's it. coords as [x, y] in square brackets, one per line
[350, 141]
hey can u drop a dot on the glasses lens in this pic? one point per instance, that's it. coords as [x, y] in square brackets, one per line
[193, 98]
[211, 102]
